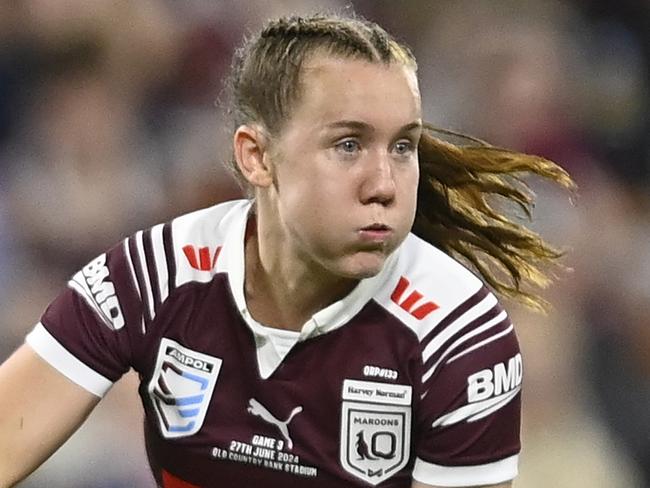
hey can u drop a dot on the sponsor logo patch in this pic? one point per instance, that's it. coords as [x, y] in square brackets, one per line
[256, 408]
[93, 285]
[181, 388]
[412, 302]
[201, 260]
[488, 391]
[495, 381]
[375, 429]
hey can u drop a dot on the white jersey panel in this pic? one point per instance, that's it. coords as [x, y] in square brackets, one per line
[198, 238]
[431, 282]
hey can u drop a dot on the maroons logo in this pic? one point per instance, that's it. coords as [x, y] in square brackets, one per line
[181, 388]
[375, 429]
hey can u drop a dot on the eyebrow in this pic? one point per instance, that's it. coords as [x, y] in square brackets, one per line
[362, 126]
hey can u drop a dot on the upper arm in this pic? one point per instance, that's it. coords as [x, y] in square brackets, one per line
[40, 408]
[81, 346]
[469, 413]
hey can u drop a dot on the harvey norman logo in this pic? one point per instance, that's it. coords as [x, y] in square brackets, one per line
[370, 391]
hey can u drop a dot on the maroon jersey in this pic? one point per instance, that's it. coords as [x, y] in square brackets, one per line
[416, 374]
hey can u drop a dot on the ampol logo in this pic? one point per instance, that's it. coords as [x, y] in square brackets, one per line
[181, 388]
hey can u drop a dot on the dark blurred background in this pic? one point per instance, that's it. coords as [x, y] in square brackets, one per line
[108, 124]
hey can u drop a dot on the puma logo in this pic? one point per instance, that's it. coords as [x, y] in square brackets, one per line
[256, 408]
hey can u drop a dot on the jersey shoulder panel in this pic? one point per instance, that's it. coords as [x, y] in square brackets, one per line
[448, 307]
[427, 286]
[198, 238]
[106, 287]
[167, 256]
[145, 268]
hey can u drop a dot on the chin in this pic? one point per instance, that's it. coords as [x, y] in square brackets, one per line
[365, 266]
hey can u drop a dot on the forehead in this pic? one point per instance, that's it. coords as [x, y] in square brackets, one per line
[349, 89]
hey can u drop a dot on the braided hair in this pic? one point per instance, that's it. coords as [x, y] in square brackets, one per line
[456, 206]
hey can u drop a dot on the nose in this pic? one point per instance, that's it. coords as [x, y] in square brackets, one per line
[379, 181]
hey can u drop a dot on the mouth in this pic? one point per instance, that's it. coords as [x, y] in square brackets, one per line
[376, 226]
[376, 232]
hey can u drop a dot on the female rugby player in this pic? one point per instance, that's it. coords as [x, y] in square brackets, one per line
[323, 332]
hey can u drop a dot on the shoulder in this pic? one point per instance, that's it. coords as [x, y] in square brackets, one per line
[134, 278]
[210, 223]
[428, 288]
[186, 249]
[198, 238]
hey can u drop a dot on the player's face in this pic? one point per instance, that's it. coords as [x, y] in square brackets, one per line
[347, 165]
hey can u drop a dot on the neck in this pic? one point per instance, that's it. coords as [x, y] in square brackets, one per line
[283, 290]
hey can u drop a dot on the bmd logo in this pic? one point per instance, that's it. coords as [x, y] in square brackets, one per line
[93, 283]
[500, 379]
[487, 391]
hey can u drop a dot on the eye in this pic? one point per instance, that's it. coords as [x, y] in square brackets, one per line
[404, 147]
[348, 146]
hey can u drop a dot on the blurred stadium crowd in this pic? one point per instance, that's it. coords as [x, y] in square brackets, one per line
[108, 124]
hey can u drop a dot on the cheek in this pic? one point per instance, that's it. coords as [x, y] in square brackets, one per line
[408, 188]
[304, 198]
[315, 217]
[317, 195]
[304, 208]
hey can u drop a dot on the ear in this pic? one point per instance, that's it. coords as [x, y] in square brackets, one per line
[250, 144]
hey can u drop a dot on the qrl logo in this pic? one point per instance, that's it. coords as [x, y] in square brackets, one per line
[500, 379]
[375, 440]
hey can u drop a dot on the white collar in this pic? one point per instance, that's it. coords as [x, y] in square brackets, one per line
[326, 320]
